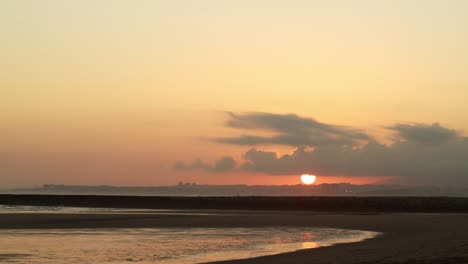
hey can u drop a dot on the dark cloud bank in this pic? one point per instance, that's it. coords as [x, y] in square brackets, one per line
[420, 153]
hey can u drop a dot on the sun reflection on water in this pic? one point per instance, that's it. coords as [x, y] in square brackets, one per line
[306, 245]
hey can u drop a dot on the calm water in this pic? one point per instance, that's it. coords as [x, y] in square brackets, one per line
[159, 245]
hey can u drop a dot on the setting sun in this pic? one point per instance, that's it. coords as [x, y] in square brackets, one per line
[308, 179]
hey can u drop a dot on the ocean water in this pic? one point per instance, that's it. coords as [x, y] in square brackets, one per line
[157, 245]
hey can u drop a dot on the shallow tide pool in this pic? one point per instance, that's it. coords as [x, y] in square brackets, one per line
[163, 245]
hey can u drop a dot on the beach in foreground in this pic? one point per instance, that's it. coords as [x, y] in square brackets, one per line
[407, 237]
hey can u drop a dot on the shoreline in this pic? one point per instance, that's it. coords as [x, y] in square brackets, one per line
[406, 238]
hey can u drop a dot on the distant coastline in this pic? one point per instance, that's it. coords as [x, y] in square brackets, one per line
[194, 189]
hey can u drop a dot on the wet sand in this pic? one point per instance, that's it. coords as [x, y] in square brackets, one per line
[407, 237]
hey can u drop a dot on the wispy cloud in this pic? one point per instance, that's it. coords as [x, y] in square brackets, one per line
[424, 134]
[289, 129]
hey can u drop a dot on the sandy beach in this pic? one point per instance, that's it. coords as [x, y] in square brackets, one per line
[406, 237]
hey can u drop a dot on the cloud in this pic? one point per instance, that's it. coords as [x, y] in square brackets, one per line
[412, 163]
[427, 154]
[290, 129]
[224, 164]
[424, 134]
[421, 153]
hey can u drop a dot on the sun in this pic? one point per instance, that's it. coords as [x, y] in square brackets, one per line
[308, 179]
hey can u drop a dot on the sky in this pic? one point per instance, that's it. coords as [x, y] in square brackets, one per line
[138, 93]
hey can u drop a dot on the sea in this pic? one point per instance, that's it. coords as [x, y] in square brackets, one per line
[157, 245]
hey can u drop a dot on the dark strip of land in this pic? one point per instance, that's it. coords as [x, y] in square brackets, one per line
[310, 203]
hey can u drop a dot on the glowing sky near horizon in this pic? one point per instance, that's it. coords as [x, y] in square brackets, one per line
[115, 92]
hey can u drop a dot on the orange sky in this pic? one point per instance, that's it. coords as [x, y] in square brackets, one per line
[114, 92]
